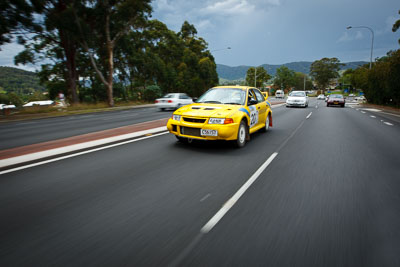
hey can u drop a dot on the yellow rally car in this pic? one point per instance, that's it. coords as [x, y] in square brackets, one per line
[223, 113]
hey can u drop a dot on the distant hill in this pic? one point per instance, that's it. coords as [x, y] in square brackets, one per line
[19, 81]
[239, 72]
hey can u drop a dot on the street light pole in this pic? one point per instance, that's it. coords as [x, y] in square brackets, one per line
[372, 42]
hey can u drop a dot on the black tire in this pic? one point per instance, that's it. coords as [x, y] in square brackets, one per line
[343, 106]
[266, 127]
[242, 134]
[162, 109]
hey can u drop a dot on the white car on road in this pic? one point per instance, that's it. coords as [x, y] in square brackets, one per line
[321, 97]
[297, 99]
[173, 101]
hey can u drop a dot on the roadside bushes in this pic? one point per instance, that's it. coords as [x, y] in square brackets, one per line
[381, 84]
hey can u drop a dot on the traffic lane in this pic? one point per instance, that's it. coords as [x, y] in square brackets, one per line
[390, 119]
[17, 134]
[330, 198]
[140, 204]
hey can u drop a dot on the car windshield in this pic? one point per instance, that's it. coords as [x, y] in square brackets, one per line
[297, 94]
[169, 96]
[231, 96]
[335, 96]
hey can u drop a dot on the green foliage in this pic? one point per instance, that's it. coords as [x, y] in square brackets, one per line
[299, 81]
[15, 99]
[396, 26]
[4, 99]
[19, 81]
[381, 83]
[285, 78]
[151, 93]
[37, 96]
[324, 70]
[257, 77]
[105, 49]
[16, 15]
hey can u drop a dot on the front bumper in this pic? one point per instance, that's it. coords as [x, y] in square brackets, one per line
[167, 105]
[296, 104]
[193, 130]
[336, 103]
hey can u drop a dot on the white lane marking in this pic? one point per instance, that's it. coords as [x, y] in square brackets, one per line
[229, 204]
[316, 106]
[309, 115]
[390, 114]
[205, 197]
[6, 162]
[372, 116]
[372, 109]
[357, 109]
[388, 123]
[363, 112]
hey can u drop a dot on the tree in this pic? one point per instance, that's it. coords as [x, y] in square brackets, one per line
[257, 75]
[16, 16]
[299, 79]
[284, 78]
[396, 26]
[56, 42]
[102, 24]
[324, 70]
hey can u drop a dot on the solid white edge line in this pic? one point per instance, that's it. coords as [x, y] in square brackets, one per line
[388, 123]
[79, 154]
[309, 115]
[229, 204]
[71, 148]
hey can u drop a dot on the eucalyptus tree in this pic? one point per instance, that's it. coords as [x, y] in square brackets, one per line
[56, 43]
[101, 25]
[285, 78]
[17, 17]
[324, 70]
[257, 76]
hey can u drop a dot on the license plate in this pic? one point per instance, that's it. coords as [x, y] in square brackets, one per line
[335, 103]
[206, 132]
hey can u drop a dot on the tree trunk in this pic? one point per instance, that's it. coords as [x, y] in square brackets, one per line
[70, 60]
[110, 51]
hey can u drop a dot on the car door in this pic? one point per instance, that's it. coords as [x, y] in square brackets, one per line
[255, 108]
[261, 106]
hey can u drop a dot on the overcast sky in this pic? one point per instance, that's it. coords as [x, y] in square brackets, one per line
[279, 31]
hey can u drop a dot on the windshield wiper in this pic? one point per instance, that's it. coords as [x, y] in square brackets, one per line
[212, 101]
[232, 103]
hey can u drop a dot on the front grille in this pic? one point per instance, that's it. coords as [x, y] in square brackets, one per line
[190, 131]
[194, 120]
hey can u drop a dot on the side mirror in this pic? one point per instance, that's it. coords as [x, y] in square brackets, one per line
[194, 99]
[265, 95]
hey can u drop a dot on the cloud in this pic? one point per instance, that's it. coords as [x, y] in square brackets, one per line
[347, 37]
[229, 7]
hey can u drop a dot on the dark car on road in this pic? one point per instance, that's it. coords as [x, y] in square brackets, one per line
[336, 100]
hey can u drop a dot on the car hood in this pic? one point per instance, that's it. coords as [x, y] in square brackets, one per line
[296, 98]
[208, 110]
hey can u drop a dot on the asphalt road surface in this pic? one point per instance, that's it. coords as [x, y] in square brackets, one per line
[321, 188]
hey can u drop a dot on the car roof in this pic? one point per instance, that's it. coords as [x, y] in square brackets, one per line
[235, 86]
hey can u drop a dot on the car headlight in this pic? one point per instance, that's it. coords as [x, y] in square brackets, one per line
[176, 117]
[216, 121]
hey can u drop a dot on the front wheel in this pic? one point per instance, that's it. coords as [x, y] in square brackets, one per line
[241, 137]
